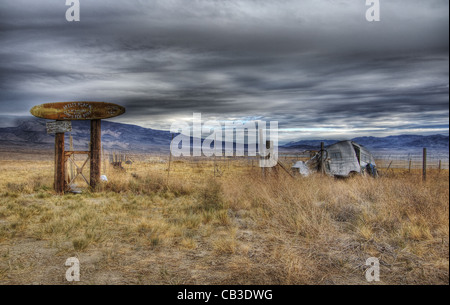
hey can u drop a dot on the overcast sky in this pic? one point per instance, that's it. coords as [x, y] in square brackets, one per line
[317, 67]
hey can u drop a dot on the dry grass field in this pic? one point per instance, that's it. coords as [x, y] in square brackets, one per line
[193, 228]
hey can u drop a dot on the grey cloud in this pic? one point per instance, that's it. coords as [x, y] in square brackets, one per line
[313, 63]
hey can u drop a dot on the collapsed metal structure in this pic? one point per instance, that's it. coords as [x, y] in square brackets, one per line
[342, 159]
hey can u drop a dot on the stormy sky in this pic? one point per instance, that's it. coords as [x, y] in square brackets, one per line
[317, 67]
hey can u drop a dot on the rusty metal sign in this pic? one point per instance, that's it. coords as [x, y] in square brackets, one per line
[73, 111]
[59, 127]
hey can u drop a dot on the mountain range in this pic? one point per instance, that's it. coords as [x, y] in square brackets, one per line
[438, 143]
[30, 133]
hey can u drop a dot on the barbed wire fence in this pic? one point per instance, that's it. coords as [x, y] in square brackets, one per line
[385, 161]
[411, 161]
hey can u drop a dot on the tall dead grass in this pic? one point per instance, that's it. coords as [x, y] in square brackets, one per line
[241, 228]
[323, 229]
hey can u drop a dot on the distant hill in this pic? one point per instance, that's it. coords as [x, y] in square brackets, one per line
[32, 133]
[391, 143]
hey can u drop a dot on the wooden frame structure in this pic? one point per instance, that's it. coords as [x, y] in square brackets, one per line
[68, 111]
[68, 157]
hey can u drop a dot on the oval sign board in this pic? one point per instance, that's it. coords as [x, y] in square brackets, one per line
[74, 111]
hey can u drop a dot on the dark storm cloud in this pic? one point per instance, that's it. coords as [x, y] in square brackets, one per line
[309, 63]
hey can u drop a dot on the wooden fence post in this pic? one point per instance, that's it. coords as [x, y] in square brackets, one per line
[440, 166]
[410, 163]
[215, 152]
[424, 165]
[390, 164]
[170, 158]
[263, 172]
[322, 161]
[103, 160]
[72, 173]
[96, 144]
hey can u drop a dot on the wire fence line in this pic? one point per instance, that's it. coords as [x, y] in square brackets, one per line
[412, 161]
[435, 160]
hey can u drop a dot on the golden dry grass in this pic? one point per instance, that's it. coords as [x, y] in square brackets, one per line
[143, 227]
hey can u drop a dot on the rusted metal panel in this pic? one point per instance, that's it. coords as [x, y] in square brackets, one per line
[72, 111]
[59, 127]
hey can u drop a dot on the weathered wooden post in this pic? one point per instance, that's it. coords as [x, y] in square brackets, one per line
[424, 165]
[60, 167]
[440, 166]
[96, 147]
[261, 141]
[269, 146]
[390, 164]
[170, 158]
[58, 128]
[215, 152]
[322, 161]
[103, 160]
[71, 172]
[65, 112]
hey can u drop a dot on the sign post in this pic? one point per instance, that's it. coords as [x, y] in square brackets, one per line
[60, 174]
[65, 112]
[96, 146]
